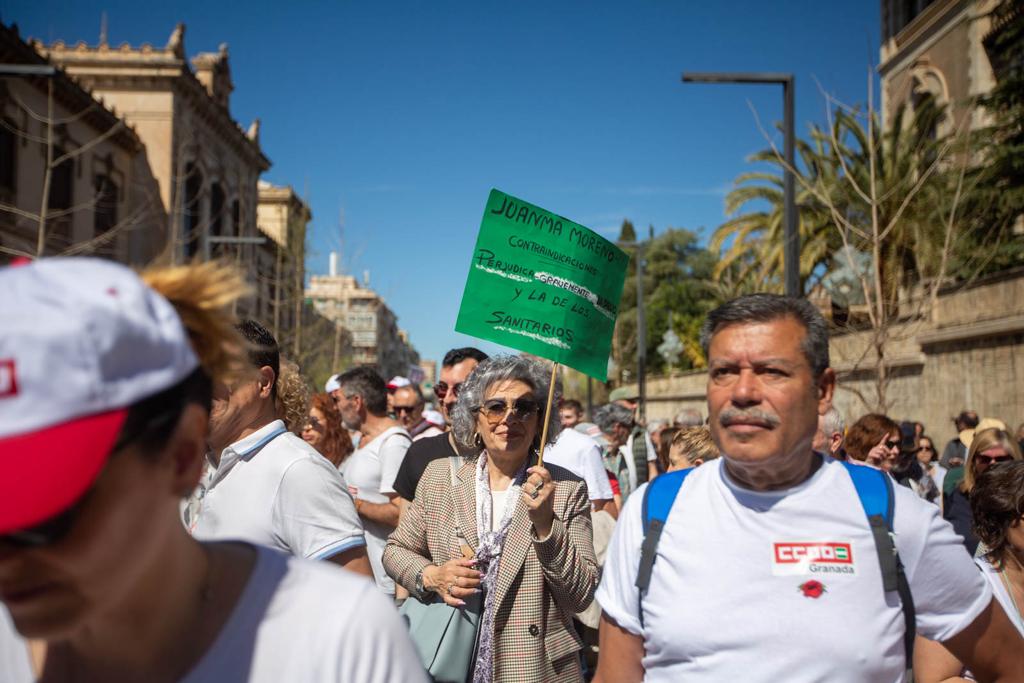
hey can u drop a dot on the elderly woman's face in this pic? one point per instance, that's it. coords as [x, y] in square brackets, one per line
[508, 418]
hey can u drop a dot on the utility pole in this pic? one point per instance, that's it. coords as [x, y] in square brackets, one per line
[641, 333]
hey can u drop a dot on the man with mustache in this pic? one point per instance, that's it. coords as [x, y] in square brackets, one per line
[773, 540]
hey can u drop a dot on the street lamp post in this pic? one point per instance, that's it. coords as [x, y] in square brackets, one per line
[791, 246]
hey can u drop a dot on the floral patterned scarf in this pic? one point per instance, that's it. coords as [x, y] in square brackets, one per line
[488, 555]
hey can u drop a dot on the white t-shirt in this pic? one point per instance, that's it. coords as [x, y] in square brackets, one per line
[370, 472]
[15, 663]
[499, 503]
[294, 621]
[1001, 594]
[732, 553]
[581, 455]
[274, 489]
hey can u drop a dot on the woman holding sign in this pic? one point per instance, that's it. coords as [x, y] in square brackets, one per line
[503, 525]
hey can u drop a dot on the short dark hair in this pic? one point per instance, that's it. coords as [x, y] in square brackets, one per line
[262, 350]
[762, 308]
[968, 418]
[997, 502]
[572, 403]
[364, 381]
[458, 355]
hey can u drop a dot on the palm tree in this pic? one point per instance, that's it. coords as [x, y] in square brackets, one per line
[846, 177]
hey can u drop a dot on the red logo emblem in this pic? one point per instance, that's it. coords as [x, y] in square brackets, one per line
[812, 589]
[8, 378]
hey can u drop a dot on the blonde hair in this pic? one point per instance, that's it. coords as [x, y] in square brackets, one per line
[984, 440]
[203, 295]
[292, 396]
[689, 445]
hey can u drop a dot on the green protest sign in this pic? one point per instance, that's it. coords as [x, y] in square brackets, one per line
[543, 284]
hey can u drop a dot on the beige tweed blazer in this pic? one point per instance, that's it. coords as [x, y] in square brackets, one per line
[540, 584]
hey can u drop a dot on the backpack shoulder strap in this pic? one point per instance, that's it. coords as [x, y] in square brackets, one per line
[875, 491]
[640, 454]
[657, 503]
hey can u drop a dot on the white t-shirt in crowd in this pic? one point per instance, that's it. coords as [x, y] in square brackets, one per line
[581, 455]
[735, 554]
[370, 472]
[15, 662]
[1001, 594]
[627, 455]
[295, 620]
[274, 489]
[310, 622]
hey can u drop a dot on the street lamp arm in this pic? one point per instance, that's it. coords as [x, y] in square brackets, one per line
[736, 77]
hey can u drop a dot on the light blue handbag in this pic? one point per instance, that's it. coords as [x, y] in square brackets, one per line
[445, 636]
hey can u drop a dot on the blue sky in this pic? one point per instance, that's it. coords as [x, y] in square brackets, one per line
[403, 115]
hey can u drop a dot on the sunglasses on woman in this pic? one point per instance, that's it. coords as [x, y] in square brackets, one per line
[992, 459]
[441, 389]
[495, 410]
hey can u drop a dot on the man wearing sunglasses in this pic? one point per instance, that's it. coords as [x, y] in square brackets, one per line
[407, 404]
[455, 368]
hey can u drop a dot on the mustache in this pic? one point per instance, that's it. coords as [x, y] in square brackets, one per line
[731, 416]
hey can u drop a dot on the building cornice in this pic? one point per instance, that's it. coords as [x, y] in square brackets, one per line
[923, 31]
[152, 68]
[67, 92]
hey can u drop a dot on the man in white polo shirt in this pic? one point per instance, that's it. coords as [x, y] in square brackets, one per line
[266, 485]
[581, 455]
[774, 542]
[370, 471]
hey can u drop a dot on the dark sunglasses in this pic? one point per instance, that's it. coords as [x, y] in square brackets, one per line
[495, 410]
[892, 443]
[313, 423]
[441, 389]
[403, 409]
[992, 459]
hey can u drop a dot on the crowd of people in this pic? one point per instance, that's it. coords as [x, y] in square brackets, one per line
[180, 507]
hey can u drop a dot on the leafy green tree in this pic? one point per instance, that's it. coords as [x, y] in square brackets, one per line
[678, 292]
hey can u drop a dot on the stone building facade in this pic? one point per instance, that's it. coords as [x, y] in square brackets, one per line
[205, 165]
[282, 217]
[101, 197]
[375, 337]
[935, 47]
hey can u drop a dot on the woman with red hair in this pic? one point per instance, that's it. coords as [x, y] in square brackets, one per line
[323, 430]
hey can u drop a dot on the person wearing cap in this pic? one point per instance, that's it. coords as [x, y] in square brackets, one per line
[955, 452]
[267, 485]
[393, 385]
[370, 470]
[407, 404]
[630, 454]
[639, 446]
[95, 565]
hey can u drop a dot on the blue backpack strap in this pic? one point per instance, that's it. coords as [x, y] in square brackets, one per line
[875, 490]
[658, 499]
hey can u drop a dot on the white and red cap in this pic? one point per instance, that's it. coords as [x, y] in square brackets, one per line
[397, 382]
[82, 340]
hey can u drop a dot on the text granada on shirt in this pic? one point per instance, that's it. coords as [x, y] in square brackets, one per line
[801, 558]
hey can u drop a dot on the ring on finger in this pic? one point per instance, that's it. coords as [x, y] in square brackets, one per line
[536, 492]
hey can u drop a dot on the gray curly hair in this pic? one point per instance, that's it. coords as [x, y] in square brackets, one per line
[535, 373]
